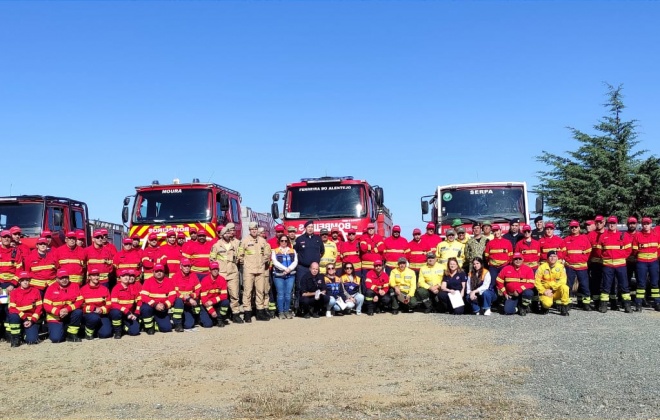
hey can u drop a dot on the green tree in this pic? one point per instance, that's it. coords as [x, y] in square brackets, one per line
[605, 175]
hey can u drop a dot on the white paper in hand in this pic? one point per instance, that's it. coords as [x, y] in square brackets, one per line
[317, 295]
[456, 300]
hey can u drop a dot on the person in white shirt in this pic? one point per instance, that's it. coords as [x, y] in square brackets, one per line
[480, 288]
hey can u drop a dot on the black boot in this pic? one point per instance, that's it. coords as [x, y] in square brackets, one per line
[178, 326]
[236, 319]
[89, 337]
[522, 310]
[219, 322]
[614, 305]
[627, 307]
[638, 307]
[117, 335]
[73, 338]
[271, 314]
[587, 307]
[602, 308]
[247, 317]
[564, 310]
[150, 330]
[15, 340]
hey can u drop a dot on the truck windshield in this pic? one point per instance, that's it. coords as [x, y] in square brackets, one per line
[326, 202]
[28, 216]
[172, 206]
[483, 203]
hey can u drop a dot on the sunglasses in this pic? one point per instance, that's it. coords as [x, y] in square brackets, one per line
[329, 268]
[284, 242]
[348, 268]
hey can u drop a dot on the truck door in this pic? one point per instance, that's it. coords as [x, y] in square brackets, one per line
[55, 223]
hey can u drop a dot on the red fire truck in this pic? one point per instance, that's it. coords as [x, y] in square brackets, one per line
[498, 202]
[158, 208]
[36, 213]
[341, 202]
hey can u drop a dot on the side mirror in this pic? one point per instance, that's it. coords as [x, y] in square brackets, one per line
[275, 211]
[539, 204]
[124, 214]
[276, 197]
[380, 196]
[425, 207]
[224, 202]
[127, 200]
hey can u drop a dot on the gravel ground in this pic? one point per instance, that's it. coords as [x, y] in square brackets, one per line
[405, 366]
[587, 365]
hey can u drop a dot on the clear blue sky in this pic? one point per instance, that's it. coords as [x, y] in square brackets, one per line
[98, 97]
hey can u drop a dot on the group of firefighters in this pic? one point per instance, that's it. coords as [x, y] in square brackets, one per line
[187, 282]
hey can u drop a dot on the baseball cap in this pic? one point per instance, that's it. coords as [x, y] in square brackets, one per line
[430, 255]
[334, 229]
[378, 262]
[251, 225]
[599, 218]
[153, 236]
[93, 272]
[62, 273]
[495, 227]
[279, 228]
[185, 261]
[590, 222]
[371, 226]
[460, 229]
[214, 265]
[15, 229]
[291, 229]
[127, 241]
[122, 272]
[549, 225]
[396, 228]
[486, 222]
[148, 264]
[456, 222]
[632, 219]
[646, 220]
[24, 275]
[430, 226]
[5, 233]
[71, 234]
[181, 235]
[526, 228]
[350, 231]
[401, 260]
[517, 255]
[46, 233]
[97, 234]
[202, 232]
[612, 219]
[450, 232]
[417, 231]
[159, 267]
[551, 253]
[171, 233]
[80, 235]
[324, 231]
[42, 241]
[574, 223]
[192, 229]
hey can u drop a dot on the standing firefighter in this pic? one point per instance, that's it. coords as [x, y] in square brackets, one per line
[225, 253]
[254, 253]
[645, 247]
[576, 251]
[616, 247]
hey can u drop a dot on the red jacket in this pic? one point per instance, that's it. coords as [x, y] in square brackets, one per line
[498, 252]
[126, 299]
[41, 268]
[645, 246]
[58, 298]
[26, 303]
[72, 260]
[350, 253]
[155, 254]
[393, 249]
[186, 285]
[213, 289]
[100, 259]
[8, 265]
[199, 254]
[154, 292]
[173, 256]
[431, 241]
[553, 243]
[531, 252]
[512, 279]
[95, 297]
[416, 254]
[111, 248]
[377, 282]
[127, 259]
[576, 251]
[596, 251]
[616, 247]
[371, 248]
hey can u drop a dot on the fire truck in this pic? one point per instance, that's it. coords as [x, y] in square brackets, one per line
[36, 213]
[341, 202]
[498, 202]
[158, 208]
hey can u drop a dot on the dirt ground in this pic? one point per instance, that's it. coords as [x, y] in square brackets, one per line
[410, 365]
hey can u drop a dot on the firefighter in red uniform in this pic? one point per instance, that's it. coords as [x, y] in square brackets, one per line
[49, 238]
[24, 311]
[529, 248]
[135, 241]
[349, 251]
[24, 250]
[81, 240]
[616, 247]
[394, 247]
[125, 306]
[371, 246]
[595, 264]
[550, 242]
[172, 253]
[416, 252]
[127, 258]
[99, 257]
[41, 267]
[430, 238]
[213, 298]
[516, 282]
[62, 303]
[498, 252]
[377, 285]
[107, 244]
[157, 297]
[153, 251]
[71, 258]
[274, 242]
[96, 306]
[187, 250]
[199, 255]
[576, 250]
[180, 240]
[645, 247]
[186, 304]
[8, 267]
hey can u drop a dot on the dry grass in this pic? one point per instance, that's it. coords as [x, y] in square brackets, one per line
[272, 404]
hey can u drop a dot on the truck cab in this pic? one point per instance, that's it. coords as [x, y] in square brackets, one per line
[36, 213]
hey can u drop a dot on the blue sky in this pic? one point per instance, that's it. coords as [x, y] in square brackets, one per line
[98, 97]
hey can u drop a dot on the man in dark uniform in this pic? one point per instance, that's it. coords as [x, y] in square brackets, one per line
[514, 235]
[312, 292]
[310, 248]
[539, 232]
